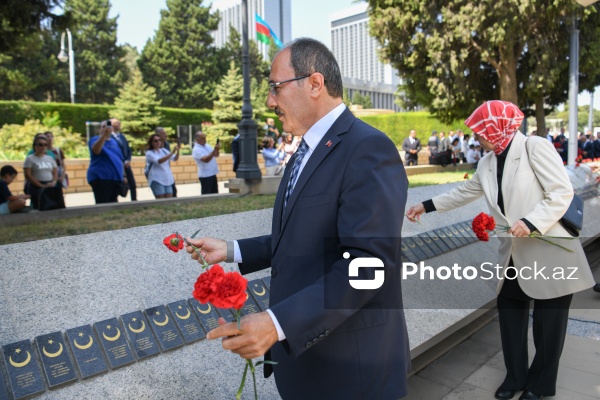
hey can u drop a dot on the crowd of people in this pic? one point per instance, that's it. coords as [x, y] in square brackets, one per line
[277, 149]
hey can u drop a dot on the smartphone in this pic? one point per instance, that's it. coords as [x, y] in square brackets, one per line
[179, 141]
[218, 140]
[108, 123]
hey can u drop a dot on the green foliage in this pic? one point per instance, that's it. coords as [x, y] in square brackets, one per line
[361, 100]
[16, 140]
[583, 113]
[398, 125]
[227, 112]
[181, 61]
[98, 66]
[259, 68]
[136, 107]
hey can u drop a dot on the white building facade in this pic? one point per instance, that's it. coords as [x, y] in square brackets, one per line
[277, 13]
[356, 53]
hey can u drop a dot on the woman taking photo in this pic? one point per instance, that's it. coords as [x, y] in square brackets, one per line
[528, 190]
[105, 173]
[158, 161]
[40, 169]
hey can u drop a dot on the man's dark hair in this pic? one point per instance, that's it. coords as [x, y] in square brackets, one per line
[309, 56]
[8, 170]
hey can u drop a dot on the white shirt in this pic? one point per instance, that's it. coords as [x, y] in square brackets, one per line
[160, 173]
[205, 169]
[312, 137]
[473, 156]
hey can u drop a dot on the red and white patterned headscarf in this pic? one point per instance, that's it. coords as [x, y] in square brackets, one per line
[497, 122]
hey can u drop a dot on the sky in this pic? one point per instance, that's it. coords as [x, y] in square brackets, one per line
[139, 19]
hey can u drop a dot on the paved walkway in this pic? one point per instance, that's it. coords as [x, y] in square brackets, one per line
[188, 190]
[474, 369]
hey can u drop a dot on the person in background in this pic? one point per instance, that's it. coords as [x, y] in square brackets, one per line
[126, 149]
[464, 147]
[105, 174]
[162, 133]
[160, 177]
[412, 147]
[206, 161]
[10, 203]
[26, 184]
[59, 156]
[272, 130]
[433, 145]
[273, 157]
[473, 155]
[562, 147]
[41, 170]
[455, 151]
[288, 146]
[235, 152]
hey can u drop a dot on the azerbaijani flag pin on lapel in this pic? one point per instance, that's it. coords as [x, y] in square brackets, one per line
[328, 144]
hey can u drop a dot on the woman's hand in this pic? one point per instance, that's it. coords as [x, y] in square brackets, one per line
[519, 229]
[414, 212]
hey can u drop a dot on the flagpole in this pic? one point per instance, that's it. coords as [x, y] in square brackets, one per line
[248, 168]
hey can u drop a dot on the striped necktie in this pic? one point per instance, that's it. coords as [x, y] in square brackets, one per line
[302, 149]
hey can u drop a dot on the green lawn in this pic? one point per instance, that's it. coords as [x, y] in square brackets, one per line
[438, 178]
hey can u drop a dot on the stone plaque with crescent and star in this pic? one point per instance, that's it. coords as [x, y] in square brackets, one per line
[164, 327]
[206, 314]
[113, 341]
[56, 362]
[190, 328]
[23, 370]
[259, 291]
[87, 351]
[140, 334]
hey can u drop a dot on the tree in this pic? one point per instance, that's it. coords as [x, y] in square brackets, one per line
[99, 72]
[227, 111]
[259, 68]
[136, 109]
[364, 101]
[455, 54]
[181, 61]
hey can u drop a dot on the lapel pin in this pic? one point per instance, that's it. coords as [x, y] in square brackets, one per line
[328, 144]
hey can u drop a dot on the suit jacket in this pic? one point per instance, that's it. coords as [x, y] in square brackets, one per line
[535, 186]
[406, 146]
[124, 144]
[341, 343]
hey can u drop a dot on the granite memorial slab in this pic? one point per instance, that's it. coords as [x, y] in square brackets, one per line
[407, 252]
[23, 370]
[259, 291]
[87, 351]
[190, 328]
[414, 248]
[267, 281]
[431, 244]
[164, 327]
[458, 235]
[250, 306]
[3, 388]
[438, 241]
[113, 341]
[56, 362]
[206, 314]
[451, 236]
[469, 234]
[451, 244]
[140, 334]
[423, 247]
[226, 313]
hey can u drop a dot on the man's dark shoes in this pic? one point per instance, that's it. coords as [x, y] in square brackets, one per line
[503, 394]
[597, 287]
[527, 395]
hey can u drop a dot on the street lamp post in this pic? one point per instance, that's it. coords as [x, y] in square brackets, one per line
[62, 56]
[248, 168]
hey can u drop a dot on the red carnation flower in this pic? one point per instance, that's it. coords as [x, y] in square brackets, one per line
[174, 242]
[466, 176]
[207, 284]
[483, 223]
[222, 290]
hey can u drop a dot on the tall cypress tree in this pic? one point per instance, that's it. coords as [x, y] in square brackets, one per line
[181, 61]
[99, 72]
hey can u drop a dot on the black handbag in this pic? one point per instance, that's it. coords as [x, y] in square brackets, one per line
[123, 189]
[51, 198]
[572, 221]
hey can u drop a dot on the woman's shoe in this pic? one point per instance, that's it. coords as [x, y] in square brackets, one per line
[503, 394]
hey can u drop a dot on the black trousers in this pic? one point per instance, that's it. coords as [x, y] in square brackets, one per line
[550, 319]
[209, 185]
[411, 159]
[105, 191]
[131, 182]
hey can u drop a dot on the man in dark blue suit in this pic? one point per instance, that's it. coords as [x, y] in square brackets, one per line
[340, 203]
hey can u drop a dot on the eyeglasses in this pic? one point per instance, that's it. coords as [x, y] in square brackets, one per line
[156, 141]
[275, 85]
[42, 144]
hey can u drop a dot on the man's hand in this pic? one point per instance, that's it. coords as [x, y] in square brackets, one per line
[519, 229]
[414, 212]
[213, 250]
[256, 337]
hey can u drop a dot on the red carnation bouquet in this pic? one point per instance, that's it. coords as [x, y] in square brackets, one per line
[221, 289]
[483, 223]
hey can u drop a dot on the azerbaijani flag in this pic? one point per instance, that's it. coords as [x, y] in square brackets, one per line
[264, 33]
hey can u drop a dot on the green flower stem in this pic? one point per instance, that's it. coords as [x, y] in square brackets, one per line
[544, 238]
[197, 250]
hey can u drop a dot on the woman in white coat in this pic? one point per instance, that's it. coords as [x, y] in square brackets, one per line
[527, 189]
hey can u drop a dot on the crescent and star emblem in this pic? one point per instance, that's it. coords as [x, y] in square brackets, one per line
[186, 316]
[140, 330]
[261, 293]
[52, 355]
[112, 338]
[166, 321]
[19, 364]
[85, 346]
[204, 311]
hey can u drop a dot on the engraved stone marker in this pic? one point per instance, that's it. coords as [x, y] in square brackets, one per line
[23, 369]
[87, 351]
[259, 291]
[164, 327]
[114, 343]
[140, 334]
[57, 364]
[186, 321]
